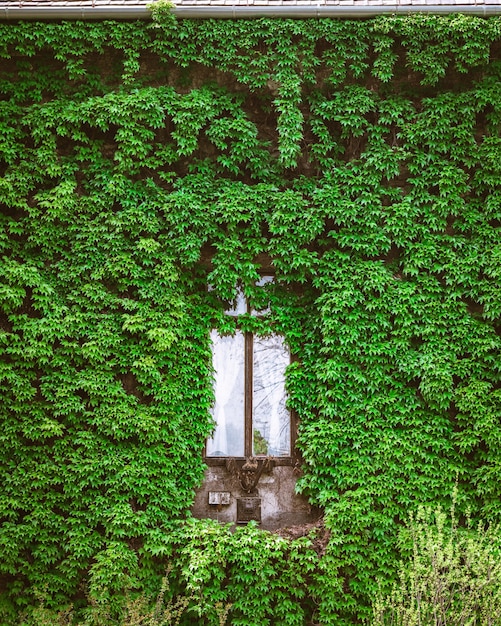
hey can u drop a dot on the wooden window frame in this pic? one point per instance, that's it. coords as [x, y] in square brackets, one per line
[215, 461]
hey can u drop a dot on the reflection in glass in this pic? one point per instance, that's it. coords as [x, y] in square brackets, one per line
[229, 385]
[270, 418]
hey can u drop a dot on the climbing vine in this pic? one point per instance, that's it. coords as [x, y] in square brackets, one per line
[142, 161]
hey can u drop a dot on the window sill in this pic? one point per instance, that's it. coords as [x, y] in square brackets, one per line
[221, 461]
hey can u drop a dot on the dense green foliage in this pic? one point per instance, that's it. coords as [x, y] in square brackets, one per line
[142, 161]
[215, 576]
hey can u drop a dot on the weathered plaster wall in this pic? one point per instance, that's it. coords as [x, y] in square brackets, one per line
[280, 505]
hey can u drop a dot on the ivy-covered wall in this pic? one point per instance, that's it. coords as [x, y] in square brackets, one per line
[142, 161]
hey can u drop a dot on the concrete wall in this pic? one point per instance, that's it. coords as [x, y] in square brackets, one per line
[274, 495]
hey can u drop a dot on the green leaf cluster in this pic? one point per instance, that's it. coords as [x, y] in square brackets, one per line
[141, 162]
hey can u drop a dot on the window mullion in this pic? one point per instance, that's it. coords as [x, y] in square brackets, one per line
[248, 392]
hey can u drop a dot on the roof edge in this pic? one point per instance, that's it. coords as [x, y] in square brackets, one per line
[142, 12]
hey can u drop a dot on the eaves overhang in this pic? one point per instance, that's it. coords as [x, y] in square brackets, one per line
[232, 9]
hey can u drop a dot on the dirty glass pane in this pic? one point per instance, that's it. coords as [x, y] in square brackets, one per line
[270, 419]
[229, 385]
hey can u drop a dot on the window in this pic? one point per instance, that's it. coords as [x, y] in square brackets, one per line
[250, 413]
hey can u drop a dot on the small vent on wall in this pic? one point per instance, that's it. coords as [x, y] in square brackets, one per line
[248, 508]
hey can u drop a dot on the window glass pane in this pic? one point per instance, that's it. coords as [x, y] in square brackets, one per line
[264, 280]
[240, 304]
[229, 384]
[270, 419]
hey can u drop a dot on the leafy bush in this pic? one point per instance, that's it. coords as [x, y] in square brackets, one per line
[217, 575]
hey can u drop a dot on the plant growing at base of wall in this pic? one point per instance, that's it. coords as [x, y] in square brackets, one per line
[452, 576]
